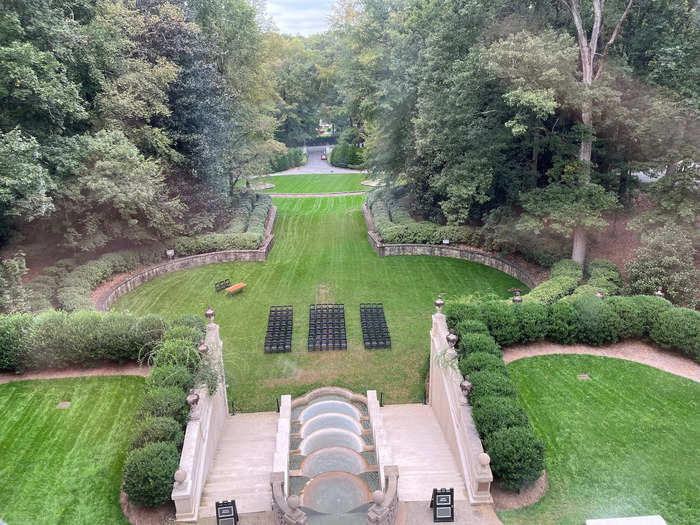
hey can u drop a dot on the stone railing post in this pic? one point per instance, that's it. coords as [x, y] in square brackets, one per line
[386, 504]
[286, 511]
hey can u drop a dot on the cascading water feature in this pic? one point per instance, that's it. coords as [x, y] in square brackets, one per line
[332, 460]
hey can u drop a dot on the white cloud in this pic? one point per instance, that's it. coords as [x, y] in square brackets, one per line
[303, 17]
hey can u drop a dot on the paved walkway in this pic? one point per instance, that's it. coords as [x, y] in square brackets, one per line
[242, 465]
[128, 369]
[315, 165]
[637, 351]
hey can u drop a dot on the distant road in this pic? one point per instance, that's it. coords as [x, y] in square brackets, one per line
[315, 165]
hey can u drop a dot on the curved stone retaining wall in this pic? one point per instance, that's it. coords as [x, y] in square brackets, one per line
[494, 261]
[182, 263]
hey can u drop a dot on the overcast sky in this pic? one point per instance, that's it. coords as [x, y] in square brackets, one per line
[304, 17]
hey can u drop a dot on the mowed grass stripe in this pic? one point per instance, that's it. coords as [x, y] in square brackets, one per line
[323, 183]
[624, 443]
[321, 254]
[65, 465]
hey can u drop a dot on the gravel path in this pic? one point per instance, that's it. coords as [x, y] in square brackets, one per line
[128, 369]
[637, 351]
[336, 194]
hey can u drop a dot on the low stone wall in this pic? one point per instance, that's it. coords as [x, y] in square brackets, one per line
[182, 263]
[207, 417]
[494, 261]
[454, 414]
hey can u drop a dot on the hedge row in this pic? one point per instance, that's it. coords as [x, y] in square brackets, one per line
[69, 284]
[395, 225]
[517, 454]
[347, 156]
[157, 440]
[59, 339]
[565, 276]
[291, 158]
[585, 319]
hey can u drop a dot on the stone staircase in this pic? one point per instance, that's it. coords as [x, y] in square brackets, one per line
[421, 452]
[242, 464]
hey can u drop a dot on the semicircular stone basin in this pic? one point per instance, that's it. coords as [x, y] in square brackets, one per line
[335, 493]
[331, 437]
[330, 406]
[330, 421]
[333, 459]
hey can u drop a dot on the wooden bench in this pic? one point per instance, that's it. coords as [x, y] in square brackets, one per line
[222, 285]
[233, 289]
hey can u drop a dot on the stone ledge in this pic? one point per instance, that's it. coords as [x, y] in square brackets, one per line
[192, 261]
[487, 259]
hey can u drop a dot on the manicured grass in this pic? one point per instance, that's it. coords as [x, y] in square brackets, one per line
[321, 254]
[326, 183]
[65, 465]
[624, 443]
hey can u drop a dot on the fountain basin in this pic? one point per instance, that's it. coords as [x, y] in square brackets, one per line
[329, 406]
[335, 493]
[333, 459]
[330, 421]
[331, 437]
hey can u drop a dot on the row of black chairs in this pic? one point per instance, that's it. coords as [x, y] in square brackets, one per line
[280, 327]
[327, 329]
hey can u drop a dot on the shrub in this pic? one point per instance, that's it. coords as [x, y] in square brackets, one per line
[155, 429]
[177, 352]
[15, 334]
[120, 339]
[50, 341]
[493, 413]
[458, 311]
[551, 291]
[532, 321]
[678, 328]
[598, 323]
[563, 323]
[490, 383]
[471, 326]
[478, 361]
[188, 333]
[517, 456]
[666, 261]
[639, 313]
[471, 342]
[148, 332]
[195, 321]
[148, 473]
[604, 276]
[170, 375]
[501, 319]
[167, 401]
[566, 268]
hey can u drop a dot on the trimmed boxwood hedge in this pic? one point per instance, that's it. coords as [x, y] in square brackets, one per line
[471, 342]
[471, 326]
[478, 361]
[166, 401]
[490, 383]
[517, 456]
[678, 328]
[494, 413]
[156, 429]
[148, 473]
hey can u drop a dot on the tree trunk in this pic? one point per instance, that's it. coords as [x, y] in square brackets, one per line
[578, 253]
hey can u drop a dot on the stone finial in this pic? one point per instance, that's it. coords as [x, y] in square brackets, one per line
[484, 459]
[293, 502]
[193, 399]
[180, 475]
[451, 340]
[465, 386]
[439, 303]
[378, 497]
[203, 349]
[209, 314]
[517, 298]
[599, 294]
[659, 293]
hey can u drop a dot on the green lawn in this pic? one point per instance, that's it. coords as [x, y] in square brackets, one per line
[326, 183]
[624, 443]
[321, 254]
[64, 466]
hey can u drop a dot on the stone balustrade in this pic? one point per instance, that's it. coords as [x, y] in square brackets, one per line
[386, 504]
[285, 510]
[182, 263]
[381, 442]
[207, 417]
[454, 414]
[455, 252]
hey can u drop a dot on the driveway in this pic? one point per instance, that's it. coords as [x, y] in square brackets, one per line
[315, 165]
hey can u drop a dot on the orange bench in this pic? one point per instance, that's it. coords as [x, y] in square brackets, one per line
[235, 288]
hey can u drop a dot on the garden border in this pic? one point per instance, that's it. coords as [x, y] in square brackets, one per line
[487, 259]
[259, 255]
